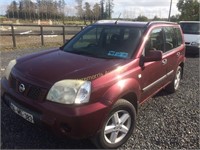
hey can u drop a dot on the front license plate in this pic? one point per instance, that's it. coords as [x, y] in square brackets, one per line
[22, 113]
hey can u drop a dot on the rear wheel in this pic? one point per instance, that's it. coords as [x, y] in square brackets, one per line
[174, 85]
[118, 126]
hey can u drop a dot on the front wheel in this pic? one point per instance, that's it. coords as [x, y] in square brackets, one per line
[118, 126]
[174, 85]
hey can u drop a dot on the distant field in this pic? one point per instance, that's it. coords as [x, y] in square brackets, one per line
[30, 42]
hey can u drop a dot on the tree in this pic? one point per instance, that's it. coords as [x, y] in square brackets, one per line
[62, 4]
[88, 12]
[102, 9]
[109, 9]
[189, 9]
[142, 18]
[174, 18]
[79, 8]
[97, 11]
[156, 18]
[12, 10]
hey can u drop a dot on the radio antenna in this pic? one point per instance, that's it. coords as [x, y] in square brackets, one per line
[117, 19]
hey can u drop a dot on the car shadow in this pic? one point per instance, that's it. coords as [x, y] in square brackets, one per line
[163, 92]
[192, 55]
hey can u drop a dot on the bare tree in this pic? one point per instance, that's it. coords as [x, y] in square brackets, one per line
[109, 8]
[97, 11]
[102, 8]
[12, 9]
[88, 11]
[79, 8]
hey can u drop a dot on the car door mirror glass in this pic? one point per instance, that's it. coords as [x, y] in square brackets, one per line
[153, 55]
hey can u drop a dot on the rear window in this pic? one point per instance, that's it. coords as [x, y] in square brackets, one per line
[190, 28]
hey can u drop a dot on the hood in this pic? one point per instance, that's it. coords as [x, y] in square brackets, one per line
[55, 65]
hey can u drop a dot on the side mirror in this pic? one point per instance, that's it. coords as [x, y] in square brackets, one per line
[153, 55]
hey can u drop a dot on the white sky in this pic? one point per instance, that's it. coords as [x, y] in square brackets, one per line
[127, 8]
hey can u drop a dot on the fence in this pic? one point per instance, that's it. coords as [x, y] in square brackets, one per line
[13, 30]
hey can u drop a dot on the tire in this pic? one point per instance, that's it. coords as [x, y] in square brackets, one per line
[118, 126]
[174, 85]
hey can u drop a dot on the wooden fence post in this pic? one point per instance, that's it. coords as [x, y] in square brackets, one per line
[64, 34]
[42, 35]
[13, 36]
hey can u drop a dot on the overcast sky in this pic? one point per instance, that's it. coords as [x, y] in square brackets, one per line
[127, 8]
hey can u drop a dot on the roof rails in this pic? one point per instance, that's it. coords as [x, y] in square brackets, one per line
[159, 22]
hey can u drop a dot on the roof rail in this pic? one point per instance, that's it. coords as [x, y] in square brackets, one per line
[158, 22]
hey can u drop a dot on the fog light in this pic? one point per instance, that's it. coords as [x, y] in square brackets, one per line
[65, 128]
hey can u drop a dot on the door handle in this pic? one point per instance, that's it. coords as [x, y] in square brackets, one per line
[164, 61]
[178, 54]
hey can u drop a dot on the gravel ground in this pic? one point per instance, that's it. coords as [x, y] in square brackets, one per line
[164, 122]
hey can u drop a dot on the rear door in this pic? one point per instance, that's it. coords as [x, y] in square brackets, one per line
[173, 49]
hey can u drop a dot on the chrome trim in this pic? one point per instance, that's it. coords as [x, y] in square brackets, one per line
[157, 81]
[169, 73]
[22, 88]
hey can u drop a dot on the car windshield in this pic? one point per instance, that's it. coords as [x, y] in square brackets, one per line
[190, 28]
[105, 42]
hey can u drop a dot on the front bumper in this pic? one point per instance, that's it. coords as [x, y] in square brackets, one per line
[73, 121]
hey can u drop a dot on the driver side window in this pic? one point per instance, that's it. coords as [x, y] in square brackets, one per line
[155, 41]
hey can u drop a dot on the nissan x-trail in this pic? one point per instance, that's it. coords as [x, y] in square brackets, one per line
[91, 86]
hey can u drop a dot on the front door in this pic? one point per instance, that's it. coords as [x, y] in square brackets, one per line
[153, 73]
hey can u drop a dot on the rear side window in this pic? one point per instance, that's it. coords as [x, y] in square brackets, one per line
[179, 39]
[173, 38]
[170, 38]
[164, 39]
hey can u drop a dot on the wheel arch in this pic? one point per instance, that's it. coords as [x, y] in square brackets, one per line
[130, 92]
[132, 98]
[182, 67]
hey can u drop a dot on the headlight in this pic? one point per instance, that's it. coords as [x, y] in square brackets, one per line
[9, 68]
[70, 92]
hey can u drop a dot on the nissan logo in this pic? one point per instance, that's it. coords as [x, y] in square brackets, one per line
[22, 88]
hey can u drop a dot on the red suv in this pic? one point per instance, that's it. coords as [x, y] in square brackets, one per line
[92, 85]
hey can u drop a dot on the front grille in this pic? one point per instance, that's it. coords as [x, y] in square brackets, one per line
[32, 92]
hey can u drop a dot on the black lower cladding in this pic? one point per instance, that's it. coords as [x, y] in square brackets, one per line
[32, 92]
